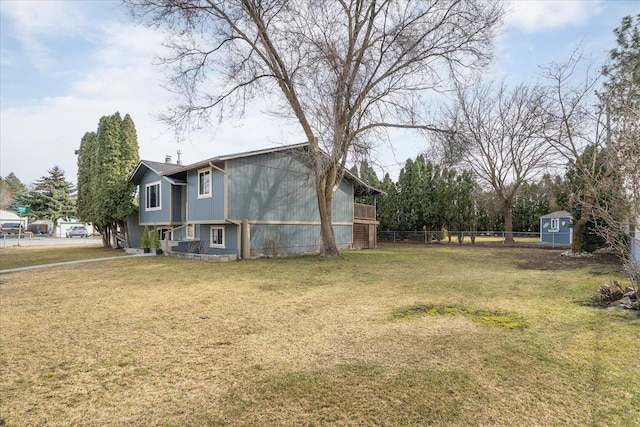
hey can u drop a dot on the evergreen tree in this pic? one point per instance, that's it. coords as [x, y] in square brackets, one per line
[14, 192]
[105, 160]
[387, 208]
[428, 197]
[52, 198]
[87, 181]
[532, 201]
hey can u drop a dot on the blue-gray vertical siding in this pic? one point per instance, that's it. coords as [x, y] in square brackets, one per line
[208, 208]
[177, 204]
[230, 240]
[161, 216]
[271, 187]
[342, 204]
[273, 240]
[280, 187]
[202, 242]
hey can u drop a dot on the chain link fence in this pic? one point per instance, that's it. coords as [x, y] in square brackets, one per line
[556, 239]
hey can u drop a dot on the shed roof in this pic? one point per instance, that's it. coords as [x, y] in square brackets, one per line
[557, 214]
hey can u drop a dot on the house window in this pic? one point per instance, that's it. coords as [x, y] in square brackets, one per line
[555, 226]
[152, 194]
[191, 232]
[217, 236]
[204, 183]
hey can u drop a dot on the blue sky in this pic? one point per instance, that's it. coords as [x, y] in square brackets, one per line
[64, 64]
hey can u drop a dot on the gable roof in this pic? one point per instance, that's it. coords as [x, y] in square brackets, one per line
[217, 159]
[168, 169]
[158, 167]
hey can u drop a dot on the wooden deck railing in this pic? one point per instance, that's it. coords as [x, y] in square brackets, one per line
[361, 211]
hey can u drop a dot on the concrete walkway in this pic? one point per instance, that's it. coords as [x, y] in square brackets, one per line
[80, 261]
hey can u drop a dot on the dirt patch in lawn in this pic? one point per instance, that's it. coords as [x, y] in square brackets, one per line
[532, 256]
[552, 259]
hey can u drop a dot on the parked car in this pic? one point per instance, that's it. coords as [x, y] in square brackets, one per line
[77, 230]
[11, 228]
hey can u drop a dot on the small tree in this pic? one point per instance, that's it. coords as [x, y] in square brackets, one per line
[156, 237]
[145, 238]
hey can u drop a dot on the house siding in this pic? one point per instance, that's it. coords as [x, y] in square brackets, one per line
[161, 216]
[271, 187]
[202, 240]
[272, 192]
[270, 240]
[176, 208]
[342, 204]
[208, 208]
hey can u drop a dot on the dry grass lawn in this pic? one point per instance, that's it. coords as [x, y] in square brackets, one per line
[24, 256]
[405, 335]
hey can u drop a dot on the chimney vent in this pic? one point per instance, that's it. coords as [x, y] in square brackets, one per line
[168, 159]
[179, 159]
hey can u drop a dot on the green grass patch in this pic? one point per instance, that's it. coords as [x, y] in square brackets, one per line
[503, 319]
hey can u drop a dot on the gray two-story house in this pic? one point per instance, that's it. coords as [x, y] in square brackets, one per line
[248, 205]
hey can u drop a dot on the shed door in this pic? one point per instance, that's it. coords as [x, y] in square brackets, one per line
[361, 236]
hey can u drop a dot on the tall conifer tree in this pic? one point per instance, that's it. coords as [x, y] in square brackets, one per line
[105, 160]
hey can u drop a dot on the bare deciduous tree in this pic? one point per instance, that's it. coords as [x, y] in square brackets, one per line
[578, 132]
[497, 132]
[620, 97]
[345, 70]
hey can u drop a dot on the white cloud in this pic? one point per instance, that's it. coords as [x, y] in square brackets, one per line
[534, 16]
[36, 23]
[44, 17]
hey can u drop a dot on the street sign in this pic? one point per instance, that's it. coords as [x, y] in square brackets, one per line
[22, 209]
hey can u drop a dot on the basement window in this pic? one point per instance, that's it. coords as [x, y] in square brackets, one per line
[217, 236]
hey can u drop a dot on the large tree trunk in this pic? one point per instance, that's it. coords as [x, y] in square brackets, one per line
[106, 236]
[324, 193]
[125, 232]
[508, 221]
[329, 246]
[581, 223]
[576, 243]
[325, 179]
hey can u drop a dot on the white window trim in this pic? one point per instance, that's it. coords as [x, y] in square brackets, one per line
[159, 196]
[210, 193]
[224, 238]
[191, 236]
[555, 225]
